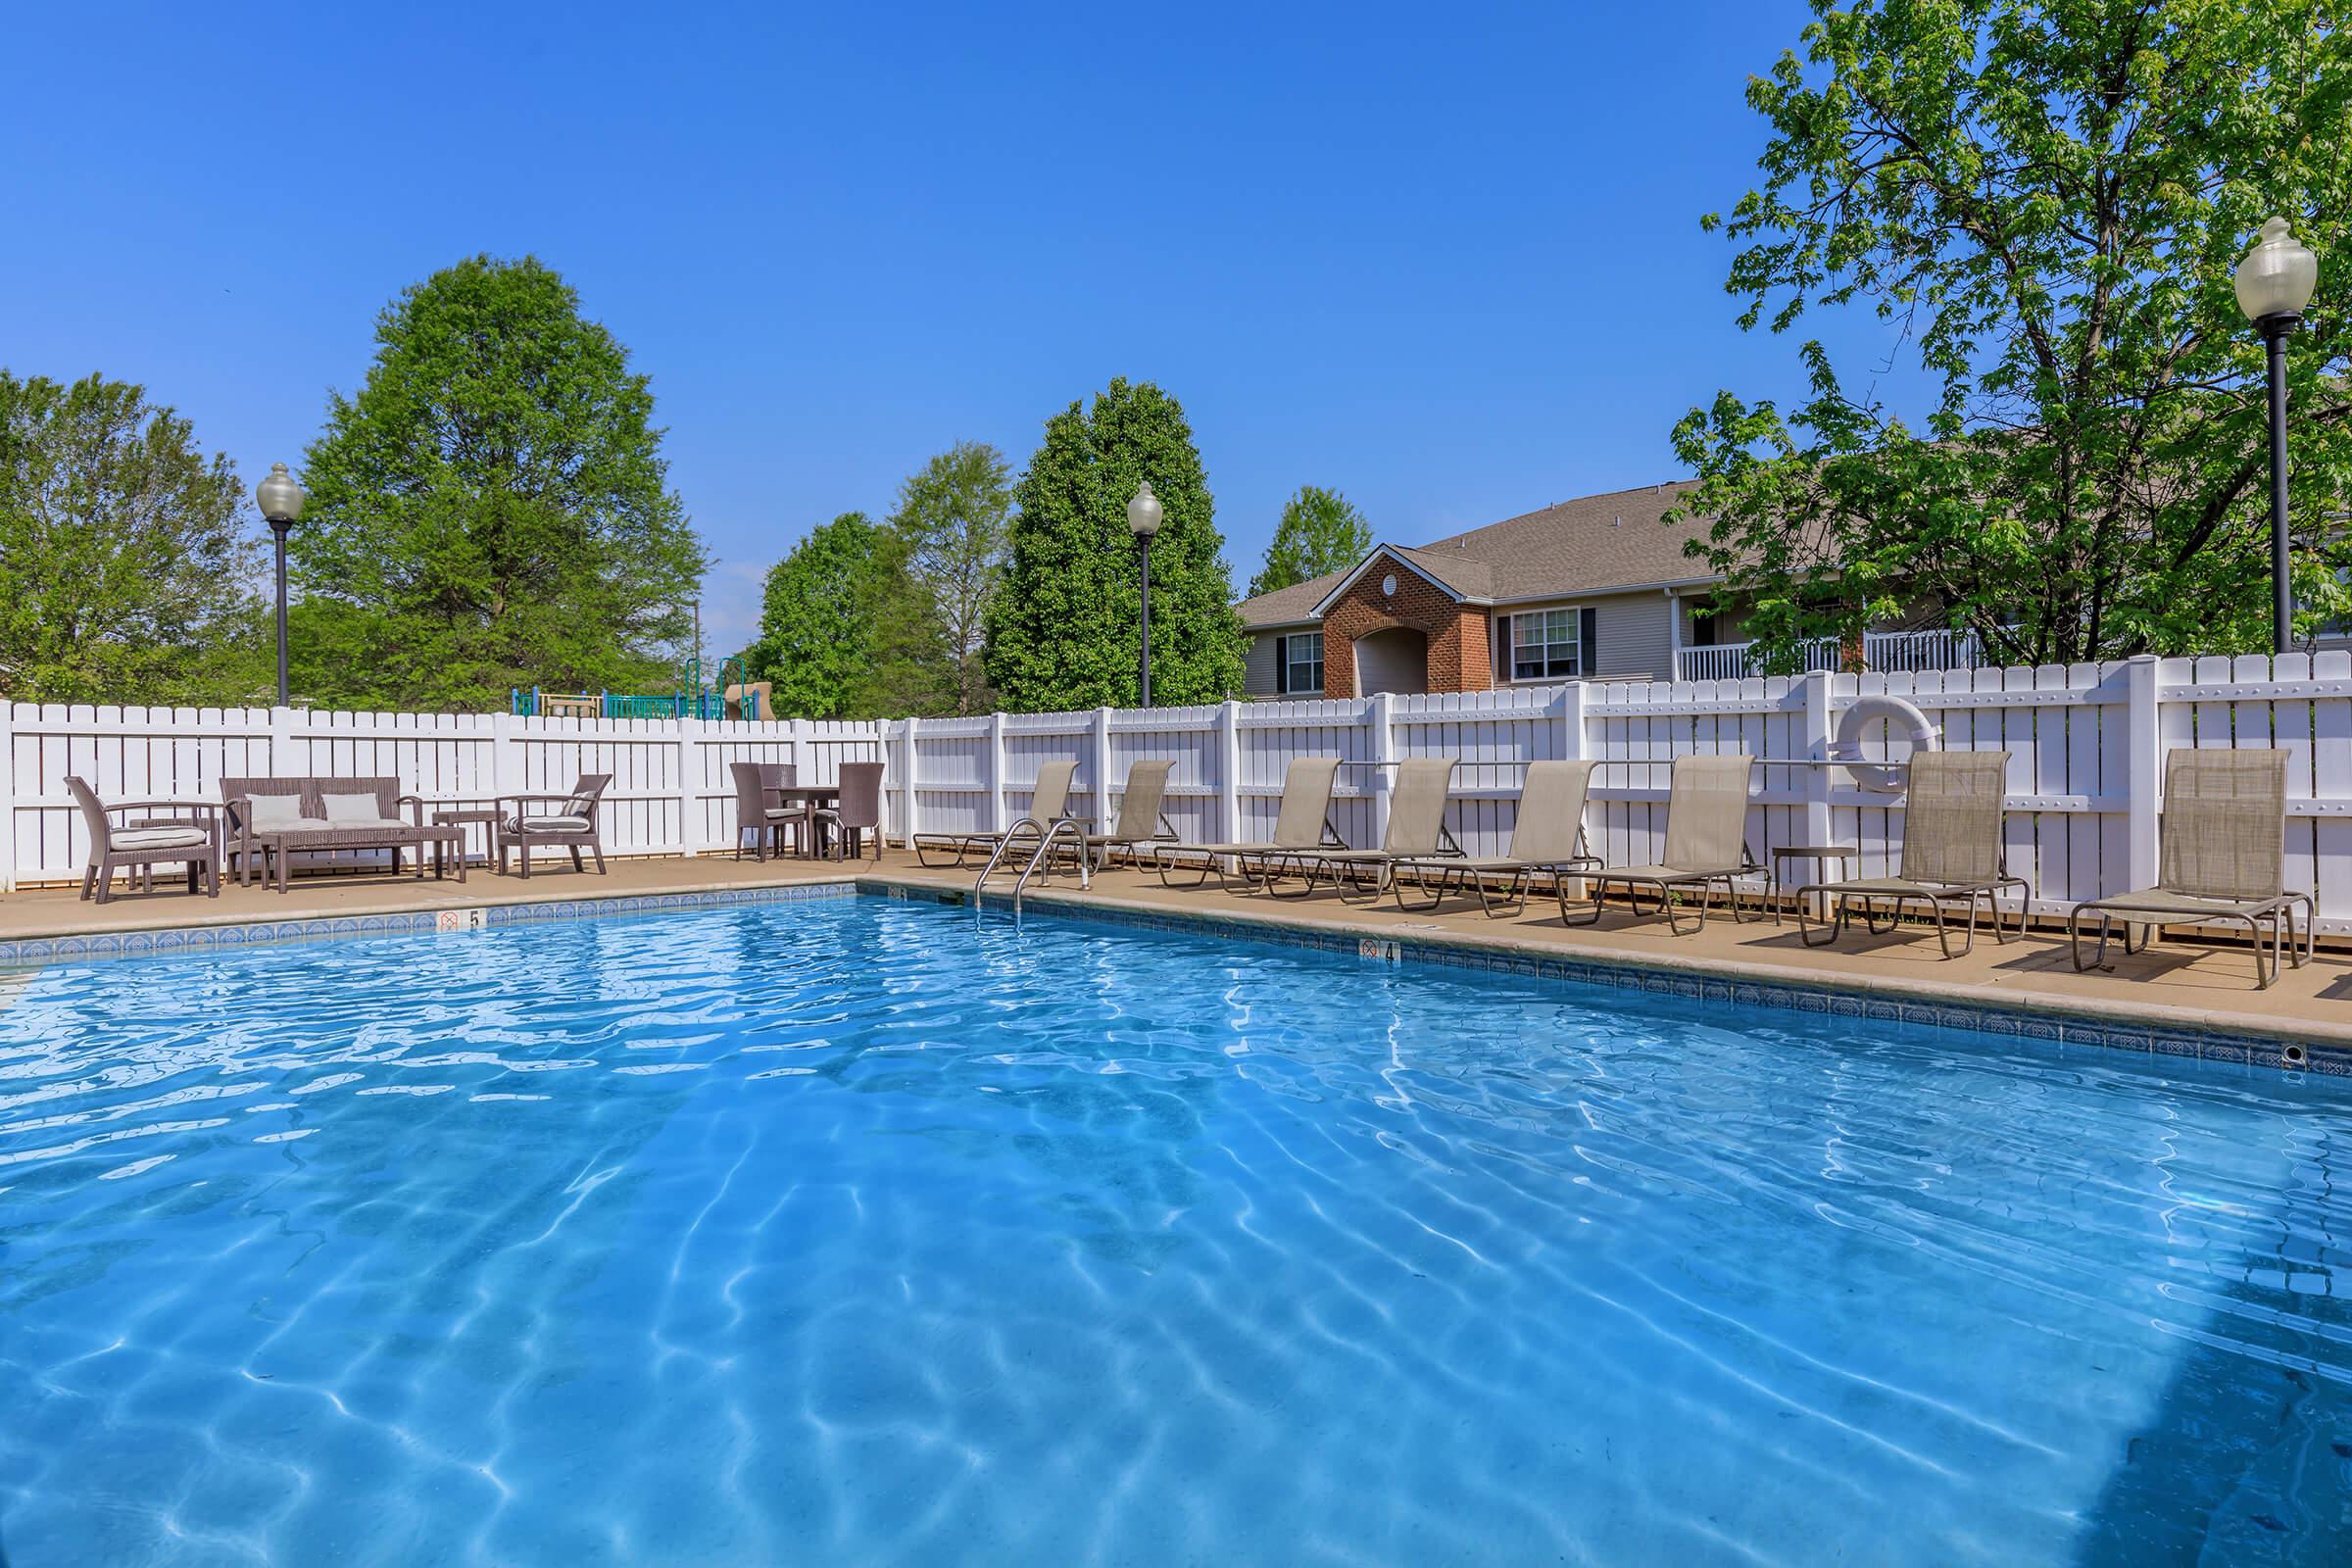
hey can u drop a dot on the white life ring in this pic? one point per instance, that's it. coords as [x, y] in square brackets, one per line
[1859, 715]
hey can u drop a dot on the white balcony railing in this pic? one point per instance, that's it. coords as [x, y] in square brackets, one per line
[1938, 648]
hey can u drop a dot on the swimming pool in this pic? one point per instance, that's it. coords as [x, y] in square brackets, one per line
[854, 1231]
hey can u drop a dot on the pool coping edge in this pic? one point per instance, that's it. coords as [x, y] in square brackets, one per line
[2148, 1028]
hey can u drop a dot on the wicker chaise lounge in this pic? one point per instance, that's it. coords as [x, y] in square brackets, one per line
[1416, 831]
[273, 820]
[1304, 822]
[1707, 844]
[2221, 861]
[1546, 840]
[1049, 803]
[1952, 806]
[189, 833]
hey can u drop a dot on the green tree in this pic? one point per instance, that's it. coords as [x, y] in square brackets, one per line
[127, 573]
[952, 512]
[492, 509]
[844, 632]
[1319, 532]
[1062, 630]
[2048, 201]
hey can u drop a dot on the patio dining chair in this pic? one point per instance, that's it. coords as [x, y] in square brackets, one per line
[756, 812]
[854, 812]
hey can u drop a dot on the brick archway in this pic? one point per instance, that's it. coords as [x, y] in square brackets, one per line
[1458, 658]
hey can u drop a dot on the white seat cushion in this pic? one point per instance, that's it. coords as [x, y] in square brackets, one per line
[158, 838]
[548, 824]
[354, 809]
[270, 814]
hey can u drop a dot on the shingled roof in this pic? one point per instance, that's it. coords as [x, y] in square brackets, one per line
[1593, 544]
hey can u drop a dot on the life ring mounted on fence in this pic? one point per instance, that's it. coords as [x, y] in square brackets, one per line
[1859, 715]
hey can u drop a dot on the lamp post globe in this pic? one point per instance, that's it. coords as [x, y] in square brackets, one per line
[281, 499]
[2274, 282]
[1144, 514]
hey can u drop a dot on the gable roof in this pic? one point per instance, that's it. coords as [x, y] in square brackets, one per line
[1456, 576]
[1593, 544]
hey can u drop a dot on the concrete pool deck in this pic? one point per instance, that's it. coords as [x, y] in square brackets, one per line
[2174, 985]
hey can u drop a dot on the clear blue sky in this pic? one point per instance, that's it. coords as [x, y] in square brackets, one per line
[1445, 259]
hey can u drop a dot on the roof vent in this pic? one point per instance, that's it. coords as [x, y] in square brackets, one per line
[1617, 521]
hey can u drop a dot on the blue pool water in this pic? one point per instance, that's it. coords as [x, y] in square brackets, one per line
[847, 1232]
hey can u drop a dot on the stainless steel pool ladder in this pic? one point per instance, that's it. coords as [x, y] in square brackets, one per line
[1046, 834]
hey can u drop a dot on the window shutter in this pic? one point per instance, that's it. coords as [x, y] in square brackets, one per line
[1588, 651]
[1499, 634]
[1281, 665]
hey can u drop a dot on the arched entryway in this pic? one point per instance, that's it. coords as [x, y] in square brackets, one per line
[1393, 660]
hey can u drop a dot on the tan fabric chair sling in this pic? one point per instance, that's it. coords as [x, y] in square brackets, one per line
[1546, 840]
[1142, 818]
[2221, 861]
[1707, 844]
[1049, 803]
[1303, 823]
[1417, 831]
[1953, 856]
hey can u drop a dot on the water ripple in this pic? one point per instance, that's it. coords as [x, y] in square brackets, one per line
[849, 1233]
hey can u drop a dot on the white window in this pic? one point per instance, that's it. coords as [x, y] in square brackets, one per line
[1299, 663]
[1548, 645]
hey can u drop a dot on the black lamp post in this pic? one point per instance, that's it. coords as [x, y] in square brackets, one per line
[2274, 284]
[1142, 521]
[281, 502]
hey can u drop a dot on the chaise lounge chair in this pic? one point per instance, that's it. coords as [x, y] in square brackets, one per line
[1707, 844]
[1303, 823]
[1141, 820]
[1049, 803]
[1417, 831]
[1951, 856]
[1546, 840]
[2221, 861]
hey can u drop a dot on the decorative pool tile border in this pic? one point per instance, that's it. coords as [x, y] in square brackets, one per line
[32, 950]
[2275, 1050]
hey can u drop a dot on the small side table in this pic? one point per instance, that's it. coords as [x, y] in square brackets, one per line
[488, 817]
[1820, 855]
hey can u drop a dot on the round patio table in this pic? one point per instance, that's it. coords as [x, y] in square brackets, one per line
[812, 798]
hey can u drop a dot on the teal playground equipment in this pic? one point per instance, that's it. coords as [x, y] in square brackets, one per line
[731, 695]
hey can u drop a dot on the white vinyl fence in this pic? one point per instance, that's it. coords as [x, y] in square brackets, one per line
[2085, 748]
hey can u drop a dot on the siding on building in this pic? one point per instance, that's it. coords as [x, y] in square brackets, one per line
[1261, 679]
[1633, 635]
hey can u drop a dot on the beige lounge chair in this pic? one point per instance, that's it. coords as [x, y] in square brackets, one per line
[1049, 803]
[1546, 840]
[1303, 823]
[1417, 831]
[2221, 861]
[1952, 804]
[1143, 821]
[1707, 844]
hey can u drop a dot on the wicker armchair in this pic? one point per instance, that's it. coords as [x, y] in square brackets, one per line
[139, 847]
[572, 824]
